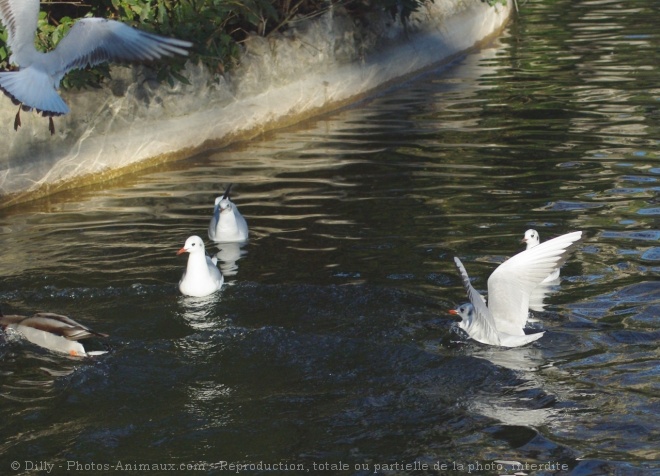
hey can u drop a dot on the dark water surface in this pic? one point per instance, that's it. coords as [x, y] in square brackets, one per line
[331, 342]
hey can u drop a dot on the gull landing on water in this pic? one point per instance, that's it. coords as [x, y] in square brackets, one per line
[52, 331]
[202, 276]
[227, 224]
[90, 41]
[502, 321]
[483, 330]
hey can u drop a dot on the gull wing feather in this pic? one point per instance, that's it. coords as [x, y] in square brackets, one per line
[483, 329]
[512, 283]
[20, 19]
[92, 41]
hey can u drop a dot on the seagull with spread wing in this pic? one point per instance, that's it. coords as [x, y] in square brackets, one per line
[502, 320]
[90, 41]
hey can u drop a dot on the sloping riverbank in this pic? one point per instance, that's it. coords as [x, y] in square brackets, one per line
[318, 65]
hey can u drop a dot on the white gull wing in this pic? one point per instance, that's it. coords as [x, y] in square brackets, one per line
[89, 42]
[512, 283]
[532, 239]
[20, 20]
[92, 41]
[482, 326]
[538, 295]
[507, 340]
[210, 264]
[547, 287]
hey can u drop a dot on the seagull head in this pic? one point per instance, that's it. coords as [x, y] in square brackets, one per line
[193, 244]
[531, 238]
[468, 316]
[223, 204]
[464, 311]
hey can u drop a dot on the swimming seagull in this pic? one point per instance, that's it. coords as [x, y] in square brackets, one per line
[481, 328]
[52, 331]
[227, 224]
[90, 41]
[502, 321]
[532, 239]
[202, 276]
[539, 294]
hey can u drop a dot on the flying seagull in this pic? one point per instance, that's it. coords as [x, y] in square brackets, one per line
[90, 41]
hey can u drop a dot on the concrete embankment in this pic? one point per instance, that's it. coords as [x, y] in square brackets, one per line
[318, 65]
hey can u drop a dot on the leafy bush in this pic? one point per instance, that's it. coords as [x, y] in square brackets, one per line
[215, 26]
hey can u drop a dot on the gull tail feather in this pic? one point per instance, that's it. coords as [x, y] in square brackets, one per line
[34, 90]
[226, 194]
[518, 341]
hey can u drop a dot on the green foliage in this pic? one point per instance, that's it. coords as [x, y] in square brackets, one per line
[4, 54]
[402, 8]
[492, 3]
[216, 27]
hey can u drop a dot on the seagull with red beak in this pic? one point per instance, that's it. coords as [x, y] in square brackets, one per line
[202, 276]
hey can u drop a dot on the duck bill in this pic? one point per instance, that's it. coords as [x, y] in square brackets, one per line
[181, 251]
